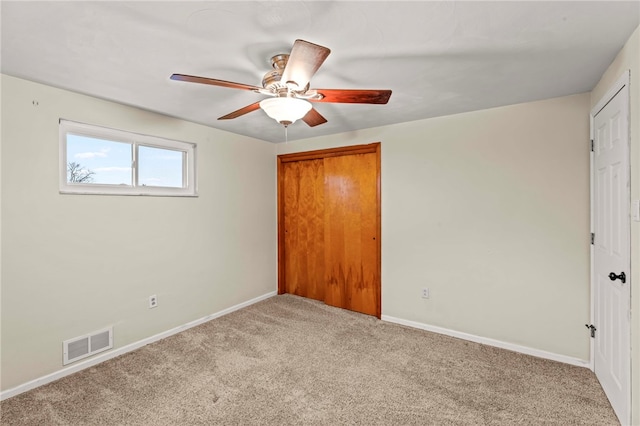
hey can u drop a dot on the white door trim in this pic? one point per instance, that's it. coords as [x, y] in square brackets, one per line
[620, 84]
[622, 81]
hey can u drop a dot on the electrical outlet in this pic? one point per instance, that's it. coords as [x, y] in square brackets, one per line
[153, 301]
[425, 293]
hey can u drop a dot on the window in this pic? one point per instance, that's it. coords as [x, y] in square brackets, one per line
[98, 160]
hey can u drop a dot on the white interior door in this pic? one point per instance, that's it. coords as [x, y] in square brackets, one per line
[611, 254]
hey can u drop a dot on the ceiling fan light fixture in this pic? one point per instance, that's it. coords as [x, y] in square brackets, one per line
[285, 110]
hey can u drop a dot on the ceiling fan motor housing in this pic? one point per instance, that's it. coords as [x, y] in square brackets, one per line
[279, 62]
[271, 80]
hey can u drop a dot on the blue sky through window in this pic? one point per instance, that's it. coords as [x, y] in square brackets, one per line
[159, 167]
[111, 162]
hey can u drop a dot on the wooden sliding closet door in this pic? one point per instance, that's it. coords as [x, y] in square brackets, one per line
[329, 226]
[304, 228]
[350, 220]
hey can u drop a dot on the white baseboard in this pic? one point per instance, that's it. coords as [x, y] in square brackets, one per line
[491, 342]
[124, 349]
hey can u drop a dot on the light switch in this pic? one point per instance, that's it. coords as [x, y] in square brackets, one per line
[635, 210]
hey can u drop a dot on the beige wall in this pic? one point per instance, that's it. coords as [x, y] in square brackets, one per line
[629, 59]
[72, 264]
[490, 210]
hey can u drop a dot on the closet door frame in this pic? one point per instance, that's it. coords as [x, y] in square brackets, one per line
[321, 154]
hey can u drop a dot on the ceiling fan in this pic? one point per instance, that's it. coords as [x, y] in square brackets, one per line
[288, 86]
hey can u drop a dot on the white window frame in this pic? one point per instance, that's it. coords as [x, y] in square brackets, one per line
[135, 139]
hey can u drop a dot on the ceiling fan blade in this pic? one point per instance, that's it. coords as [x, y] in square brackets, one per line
[213, 82]
[304, 60]
[241, 111]
[353, 96]
[313, 118]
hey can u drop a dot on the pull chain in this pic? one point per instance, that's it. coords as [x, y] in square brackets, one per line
[286, 134]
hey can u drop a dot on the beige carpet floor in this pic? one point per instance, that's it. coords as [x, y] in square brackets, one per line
[294, 361]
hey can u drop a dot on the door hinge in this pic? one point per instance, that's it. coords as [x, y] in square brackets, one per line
[592, 329]
[593, 238]
[591, 145]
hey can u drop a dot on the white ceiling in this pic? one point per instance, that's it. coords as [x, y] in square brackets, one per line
[438, 58]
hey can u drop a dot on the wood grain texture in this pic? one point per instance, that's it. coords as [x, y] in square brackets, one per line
[330, 152]
[314, 118]
[350, 219]
[350, 211]
[353, 96]
[304, 60]
[213, 82]
[304, 228]
[242, 111]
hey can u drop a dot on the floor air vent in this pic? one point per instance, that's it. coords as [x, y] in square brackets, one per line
[87, 345]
